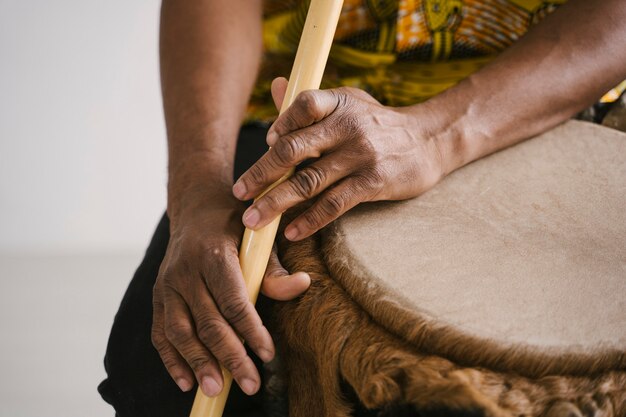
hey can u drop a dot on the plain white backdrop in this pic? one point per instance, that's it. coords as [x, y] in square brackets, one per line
[82, 142]
[82, 185]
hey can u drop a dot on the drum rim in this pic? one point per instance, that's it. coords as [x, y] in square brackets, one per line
[424, 333]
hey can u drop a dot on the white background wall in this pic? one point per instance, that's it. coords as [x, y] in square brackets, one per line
[82, 185]
[82, 143]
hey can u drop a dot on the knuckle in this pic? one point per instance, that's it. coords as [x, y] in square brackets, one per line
[307, 102]
[333, 203]
[157, 339]
[281, 124]
[274, 270]
[170, 276]
[174, 284]
[312, 219]
[274, 267]
[234, 308]
[257, 173]
[288, 149]
[308, 180]
[169, 361]
[221, 350]
[163, 276]
[344, 91]
[356, 94]
[289, 122]
[341, 96]
[212, 331]
[199, 362]
[178, 331]
[372, 180]
[233, 361]
[272, 202]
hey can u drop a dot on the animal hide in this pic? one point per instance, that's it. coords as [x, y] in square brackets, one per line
[335, 356]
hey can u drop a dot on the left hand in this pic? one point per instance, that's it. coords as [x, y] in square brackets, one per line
[363, 151]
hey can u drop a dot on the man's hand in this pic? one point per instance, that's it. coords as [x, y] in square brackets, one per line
[363, 151]
[201, 304]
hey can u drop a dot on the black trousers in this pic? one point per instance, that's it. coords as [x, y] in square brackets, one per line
[137, 383]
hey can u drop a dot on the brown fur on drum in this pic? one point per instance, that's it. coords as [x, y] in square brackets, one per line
[326, 340]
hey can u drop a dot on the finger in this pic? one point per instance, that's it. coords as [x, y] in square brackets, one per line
[308, 107]
[305, 184]
[329, 206]
[279, 88]
[216, 334]
[229, 292]
[279, 285]
[289, 151]
[180, 332]
[174, 363]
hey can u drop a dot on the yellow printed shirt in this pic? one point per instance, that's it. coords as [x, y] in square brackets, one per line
[400, 51]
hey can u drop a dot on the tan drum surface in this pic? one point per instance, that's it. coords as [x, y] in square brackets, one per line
[519, 258]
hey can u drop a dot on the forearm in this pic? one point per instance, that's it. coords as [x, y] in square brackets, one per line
[560, 67]
[210, 52]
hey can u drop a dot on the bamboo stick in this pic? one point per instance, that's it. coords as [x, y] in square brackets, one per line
[256, 246]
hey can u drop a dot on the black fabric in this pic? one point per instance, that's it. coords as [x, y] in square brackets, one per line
[138, 384]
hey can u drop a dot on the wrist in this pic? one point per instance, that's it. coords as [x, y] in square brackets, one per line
[459, 123]
[196, 182]
[444, 125]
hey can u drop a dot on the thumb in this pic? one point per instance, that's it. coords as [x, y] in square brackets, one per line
[279, 285]
[279, 88]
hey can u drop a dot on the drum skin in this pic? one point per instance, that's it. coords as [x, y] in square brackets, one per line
[501, 292]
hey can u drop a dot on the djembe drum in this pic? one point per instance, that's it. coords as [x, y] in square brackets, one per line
[500, 292]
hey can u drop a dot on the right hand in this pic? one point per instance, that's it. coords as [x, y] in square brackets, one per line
[200, 301]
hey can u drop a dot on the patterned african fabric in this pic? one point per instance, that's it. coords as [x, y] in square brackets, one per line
[402, 52]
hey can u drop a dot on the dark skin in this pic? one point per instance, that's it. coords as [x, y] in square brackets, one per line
[210, 52]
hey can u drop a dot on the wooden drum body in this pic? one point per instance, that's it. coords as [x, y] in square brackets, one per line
[502, 291]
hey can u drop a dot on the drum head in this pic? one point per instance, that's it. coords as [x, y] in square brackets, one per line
[516, 261]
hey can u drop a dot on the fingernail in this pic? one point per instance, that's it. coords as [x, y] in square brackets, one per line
[271, 139]
[266, 355]
[248, 386]
[291, 232]
[251, 217]
[239, 190]
[210, 387]
[183, 384]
